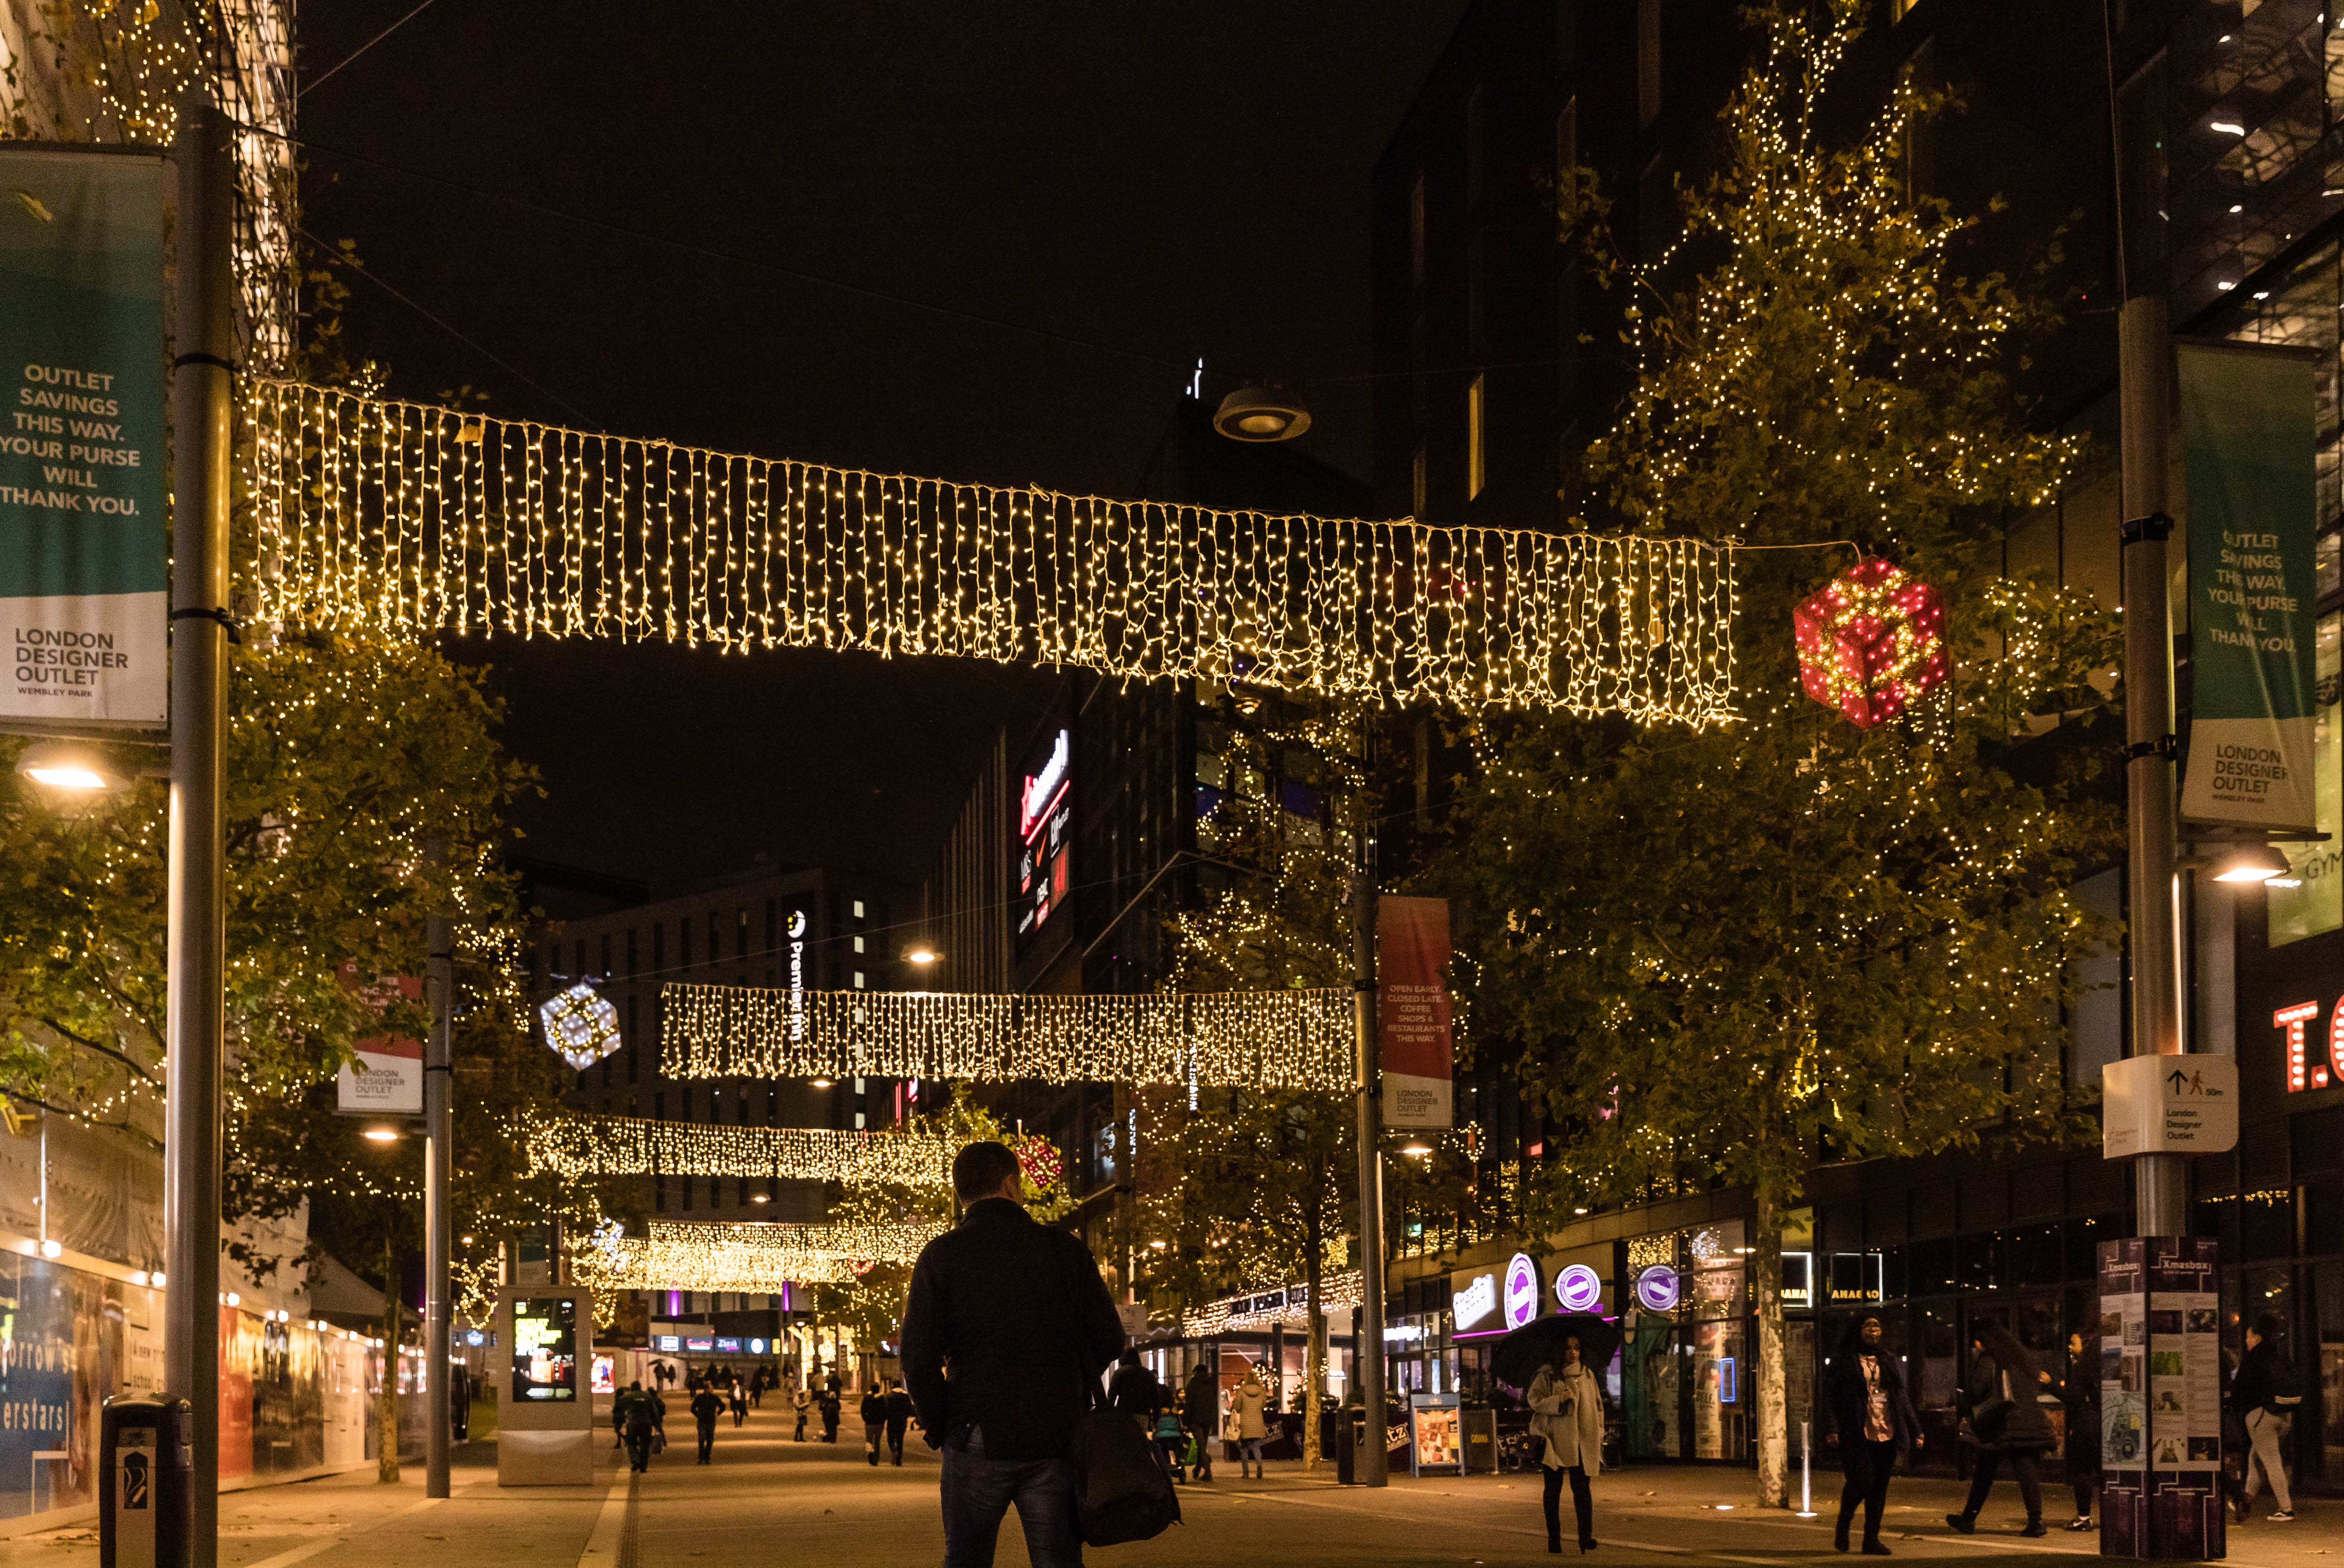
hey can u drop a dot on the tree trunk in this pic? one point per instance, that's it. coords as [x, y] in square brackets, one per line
[386, 1409]
[1767, 1283]
[1313, 1354]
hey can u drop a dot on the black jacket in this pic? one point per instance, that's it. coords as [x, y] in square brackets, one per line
[1200, 1406]
[899, 1409]
[706, 1406]
[2255, 1384]
[1135, 1389]
[875, 1408]
[1019, 1313]
[1844, 1395]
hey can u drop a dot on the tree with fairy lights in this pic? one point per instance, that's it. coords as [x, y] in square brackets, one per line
[1725, 955]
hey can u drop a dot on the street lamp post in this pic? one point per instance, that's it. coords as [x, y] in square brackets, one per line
[197, 944]
[1368, 1463]
[438, 1129]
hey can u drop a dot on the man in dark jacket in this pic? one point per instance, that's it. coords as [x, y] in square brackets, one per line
[1018, 1312]
[641, 1415]
[2007, 1421]
[874, 1420]
[1135, 1392]
[1200, 1413]
[899, 1416]
[2258, 1391]
[706, 1406]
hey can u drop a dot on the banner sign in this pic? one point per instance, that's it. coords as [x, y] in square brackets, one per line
[389, 1078]
[85, 514]
[1418, 1046]
[2248, 438]
[2161, 1399]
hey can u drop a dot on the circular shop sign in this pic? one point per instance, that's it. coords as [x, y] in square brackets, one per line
[1521, 1290]
[1658, 1290]
[1578, 1288]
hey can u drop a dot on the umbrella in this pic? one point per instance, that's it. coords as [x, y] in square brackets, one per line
[1537, 1343]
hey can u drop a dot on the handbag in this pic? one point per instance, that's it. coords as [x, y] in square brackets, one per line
[1122, 1490]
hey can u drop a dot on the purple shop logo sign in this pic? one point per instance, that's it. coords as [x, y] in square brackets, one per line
[1658, 1289]
[1578, 1288]
[1521, 1290]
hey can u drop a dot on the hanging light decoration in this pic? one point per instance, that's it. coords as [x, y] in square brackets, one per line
[585, 1146]
[1870, 641]
[580, 1026]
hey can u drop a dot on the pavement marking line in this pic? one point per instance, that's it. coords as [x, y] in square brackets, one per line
[1507, 1529]
[610, 1535]
[301, 1553]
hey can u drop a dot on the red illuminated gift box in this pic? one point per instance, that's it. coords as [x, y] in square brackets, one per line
[1871, 640]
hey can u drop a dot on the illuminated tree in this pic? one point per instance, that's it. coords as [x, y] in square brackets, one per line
[1724, 954]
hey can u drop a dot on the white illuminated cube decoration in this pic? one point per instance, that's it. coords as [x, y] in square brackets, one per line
[582, 1027]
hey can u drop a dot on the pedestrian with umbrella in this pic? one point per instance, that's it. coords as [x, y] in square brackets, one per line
[1558, 1359]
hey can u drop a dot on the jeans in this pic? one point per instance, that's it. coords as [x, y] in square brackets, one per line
[978, 1491]
[895, 1437]
[2264, 1432]
[707, 1437]
[1868, 1465]
[2022, 1465]
[1582, 1503]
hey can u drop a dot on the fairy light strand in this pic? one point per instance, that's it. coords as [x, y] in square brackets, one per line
[576, 1146]
[408, 517]
[1247, 1039]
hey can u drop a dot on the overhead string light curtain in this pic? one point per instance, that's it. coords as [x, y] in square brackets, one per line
[576, 1146]
[1256, 1040]
[408, 517]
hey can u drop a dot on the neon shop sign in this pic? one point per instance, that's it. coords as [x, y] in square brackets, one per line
[2310, 1066]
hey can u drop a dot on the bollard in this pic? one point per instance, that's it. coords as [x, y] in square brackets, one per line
[1806, 1470]
[146, 1451]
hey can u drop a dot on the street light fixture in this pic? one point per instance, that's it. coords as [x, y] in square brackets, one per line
[69, 765]
[2248, 863]
[1415, 1149]
[382, 1134]
[922, 955]
[1261, 414]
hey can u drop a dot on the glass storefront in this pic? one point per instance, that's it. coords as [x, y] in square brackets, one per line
[1684, 1361]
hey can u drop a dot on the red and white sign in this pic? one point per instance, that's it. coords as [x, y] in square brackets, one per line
[1418, 1046]
[2311, 1065]
[389, 1078]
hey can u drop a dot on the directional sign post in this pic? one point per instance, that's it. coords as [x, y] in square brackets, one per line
[2169, 1105]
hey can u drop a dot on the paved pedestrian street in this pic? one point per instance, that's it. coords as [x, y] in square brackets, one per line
[767, 1501]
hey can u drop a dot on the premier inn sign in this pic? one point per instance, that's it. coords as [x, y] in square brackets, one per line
[84, 517]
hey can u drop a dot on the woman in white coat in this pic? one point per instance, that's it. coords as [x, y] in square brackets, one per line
[1567, 1411]
[1247, 1402]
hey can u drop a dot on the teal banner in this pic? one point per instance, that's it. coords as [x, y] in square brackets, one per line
[85, 512]
[2249, 429]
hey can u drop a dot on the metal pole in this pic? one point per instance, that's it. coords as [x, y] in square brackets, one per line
[197, 948]
[1806, 1470]
[2144, 374]
[439, 1128]
[1369, 1467]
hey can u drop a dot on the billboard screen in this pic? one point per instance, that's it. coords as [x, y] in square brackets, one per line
[1045, 832]
[545, 1348]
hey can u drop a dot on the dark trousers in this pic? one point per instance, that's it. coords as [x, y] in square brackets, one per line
[978, 1491]
[2022, 1465]
[1582, 1503]
[707, 1437]
[802, 1415]
[1867, 1466]
[895, 1425]
[639, 1450]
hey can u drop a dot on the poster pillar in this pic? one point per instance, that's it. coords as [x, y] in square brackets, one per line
[2161, 1399]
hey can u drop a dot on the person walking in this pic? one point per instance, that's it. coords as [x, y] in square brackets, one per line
[2079, 1392]
[1201, 1409]
[1247, 1407]
[2267, 1396]
[1020, 1313]
[899, 1417]
[740, 1403]
[1135, 1392]
[2005, 1421]
[803, 1402]
[1567, 1411]
[646, 1423]
[1872, 1421]
[830, 1411]
[706, 1406]
[874, 1420]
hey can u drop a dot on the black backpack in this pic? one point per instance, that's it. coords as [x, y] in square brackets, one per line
[1122, 1491]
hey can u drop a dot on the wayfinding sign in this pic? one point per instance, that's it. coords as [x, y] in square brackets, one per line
[85, 518]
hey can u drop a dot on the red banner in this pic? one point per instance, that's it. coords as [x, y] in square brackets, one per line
[1413, 1034]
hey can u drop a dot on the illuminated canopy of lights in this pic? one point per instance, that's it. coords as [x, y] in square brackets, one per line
[1264, 1039]
[632, 1263]
[584, 1145]
[580, 1026]
[1260, 1308]
[410, 519]
[838, 1238]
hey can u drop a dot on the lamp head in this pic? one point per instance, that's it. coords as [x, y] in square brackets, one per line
[1261, 414]
[70, 765]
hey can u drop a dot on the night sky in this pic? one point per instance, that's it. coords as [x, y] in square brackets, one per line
[1159, 182]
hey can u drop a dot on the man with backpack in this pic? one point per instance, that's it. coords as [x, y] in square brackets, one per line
[641, 1415]
[2266, 1394]
[1020, 1313]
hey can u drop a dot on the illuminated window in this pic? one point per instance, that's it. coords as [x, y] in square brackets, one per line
[858, 909]
[858, 979]
[1475, 430]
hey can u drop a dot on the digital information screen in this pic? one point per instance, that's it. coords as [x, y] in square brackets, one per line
[545, 1348]
[1045, 823]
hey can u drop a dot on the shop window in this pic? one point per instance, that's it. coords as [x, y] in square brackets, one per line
[1983, 1262]
[1931, 1264]
[2035, 1255]
[2266, 1225]
[2326, 1374]
[2323, 1217]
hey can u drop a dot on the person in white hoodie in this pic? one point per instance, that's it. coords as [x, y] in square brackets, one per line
[1248, 1402]
[1567, 1411]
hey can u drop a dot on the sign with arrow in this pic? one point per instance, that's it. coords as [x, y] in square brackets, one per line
[2168, 1105]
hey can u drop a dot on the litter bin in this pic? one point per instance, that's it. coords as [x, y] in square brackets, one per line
[146, 1450]
[1347, 1441]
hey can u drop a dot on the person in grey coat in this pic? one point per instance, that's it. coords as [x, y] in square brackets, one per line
[1567, 1413]
[2005, 1421]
